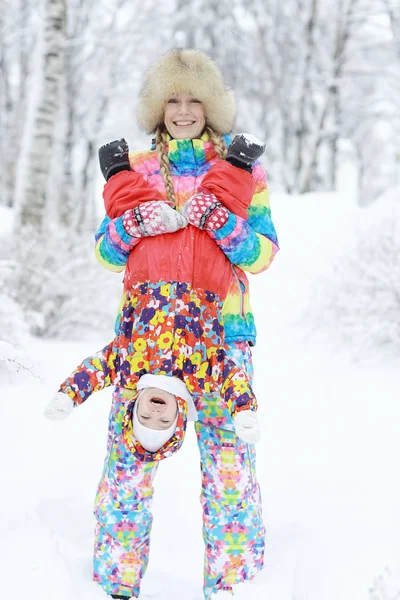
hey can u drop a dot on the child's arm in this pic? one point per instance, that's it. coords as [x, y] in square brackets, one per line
[236, 389]
[239, 396]
[95, 373]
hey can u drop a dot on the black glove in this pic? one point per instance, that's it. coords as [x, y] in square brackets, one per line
[114, 157]
[244, 150]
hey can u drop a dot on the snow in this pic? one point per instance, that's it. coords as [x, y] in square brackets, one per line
[6, 220]
[327, 459]
[252, 139]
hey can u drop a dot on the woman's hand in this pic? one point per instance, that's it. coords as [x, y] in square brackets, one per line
[152, 218]
[204, 211]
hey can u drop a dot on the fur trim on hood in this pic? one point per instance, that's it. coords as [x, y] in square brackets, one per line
[192, 72]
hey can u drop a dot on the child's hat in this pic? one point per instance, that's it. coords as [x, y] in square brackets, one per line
[186, 71]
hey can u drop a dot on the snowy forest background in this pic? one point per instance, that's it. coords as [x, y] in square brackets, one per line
[319, 81]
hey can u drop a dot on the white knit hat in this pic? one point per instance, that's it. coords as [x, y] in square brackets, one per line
[154, 439]
[186, 71]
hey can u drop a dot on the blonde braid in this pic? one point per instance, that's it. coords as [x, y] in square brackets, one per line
[217, 141]
[165, 167]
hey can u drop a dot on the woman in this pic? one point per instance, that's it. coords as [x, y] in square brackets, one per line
[184, 102]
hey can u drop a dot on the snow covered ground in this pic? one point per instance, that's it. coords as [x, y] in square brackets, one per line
[327, 461]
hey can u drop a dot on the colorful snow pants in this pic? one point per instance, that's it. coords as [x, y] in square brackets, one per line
[233, 529]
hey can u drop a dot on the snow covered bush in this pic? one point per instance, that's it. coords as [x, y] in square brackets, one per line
[13, 329]
[358, 297]
[62, 290]
[386, 586]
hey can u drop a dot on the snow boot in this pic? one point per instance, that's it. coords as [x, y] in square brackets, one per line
[114, 157]
[244, 150]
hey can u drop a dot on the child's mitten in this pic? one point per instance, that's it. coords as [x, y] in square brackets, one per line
[59, 408]
[246, 426]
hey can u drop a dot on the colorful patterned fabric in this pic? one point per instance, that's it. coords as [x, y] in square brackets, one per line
[250, 245]
[168, 329]
[204, 211]
[233, 529]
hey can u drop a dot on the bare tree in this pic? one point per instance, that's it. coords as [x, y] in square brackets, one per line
[35, 158]
[17, 41]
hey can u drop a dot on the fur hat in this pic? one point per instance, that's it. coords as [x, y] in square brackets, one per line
[192, 72]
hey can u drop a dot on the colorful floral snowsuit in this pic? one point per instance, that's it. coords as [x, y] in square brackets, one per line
[167, 329]
[233, 530]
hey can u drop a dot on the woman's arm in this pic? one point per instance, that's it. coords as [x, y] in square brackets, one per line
[250, 244]
[123, 191]
[113, 244]
[132, 213]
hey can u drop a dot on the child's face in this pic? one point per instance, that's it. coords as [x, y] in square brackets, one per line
[156, 408]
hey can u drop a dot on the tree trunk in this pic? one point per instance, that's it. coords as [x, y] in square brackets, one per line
[302, 125]
[38, 144]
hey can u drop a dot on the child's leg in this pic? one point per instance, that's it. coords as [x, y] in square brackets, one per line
[123, 515]
[231, 186]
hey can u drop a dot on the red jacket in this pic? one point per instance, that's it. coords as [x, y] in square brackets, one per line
[188, 255]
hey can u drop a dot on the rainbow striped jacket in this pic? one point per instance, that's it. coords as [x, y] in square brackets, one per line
[250, 245]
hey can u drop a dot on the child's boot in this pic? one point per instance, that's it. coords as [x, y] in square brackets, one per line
[114, 157]
[244, 150]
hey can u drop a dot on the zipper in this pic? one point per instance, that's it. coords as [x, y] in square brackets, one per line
[240, 292]
[250, 466]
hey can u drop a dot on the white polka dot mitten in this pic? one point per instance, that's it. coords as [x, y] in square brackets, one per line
[204, 211]
[152, 218]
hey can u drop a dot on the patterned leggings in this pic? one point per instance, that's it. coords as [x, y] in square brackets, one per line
[233, 529]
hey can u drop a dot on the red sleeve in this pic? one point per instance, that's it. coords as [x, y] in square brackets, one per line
[126, 189]
[232, 186]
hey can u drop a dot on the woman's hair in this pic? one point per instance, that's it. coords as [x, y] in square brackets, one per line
[217, 141]
[165, 168]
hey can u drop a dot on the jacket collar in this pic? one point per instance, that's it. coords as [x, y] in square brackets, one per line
[191, 154]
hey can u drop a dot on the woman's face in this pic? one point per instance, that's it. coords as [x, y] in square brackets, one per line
[156, 408]
[184, 116]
